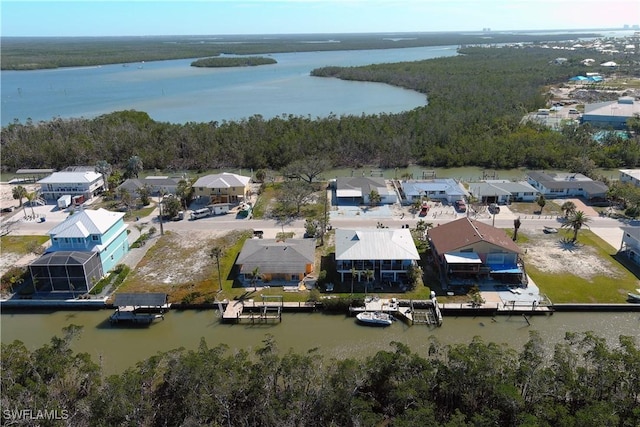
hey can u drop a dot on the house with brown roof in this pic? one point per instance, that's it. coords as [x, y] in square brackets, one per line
[466, 251]
[276, 262]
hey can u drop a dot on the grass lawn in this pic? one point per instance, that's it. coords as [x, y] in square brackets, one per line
[567, 287]
[532, 208]
[21, 245]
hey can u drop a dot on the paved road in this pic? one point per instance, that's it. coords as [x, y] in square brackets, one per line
[606, 228]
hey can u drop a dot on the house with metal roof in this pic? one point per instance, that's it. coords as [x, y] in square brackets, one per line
[156, 184]
[387, 254]
[503, 191]
[86, 184]
[611, 114]
[277, 263]
[466, 250]
[356, 191]
[222, 187]
[84, 247]
[559, 185]
[444, 189]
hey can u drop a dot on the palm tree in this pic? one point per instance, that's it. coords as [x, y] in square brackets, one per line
[216, 252]
[104, 168]
[353, 276]
[134, 166]
[576, 221]
[19, 192]
[31, 197]
[541, 201]
[255, 275]
[569, 208]
[516, 226]
[369, 274]
[374, 197]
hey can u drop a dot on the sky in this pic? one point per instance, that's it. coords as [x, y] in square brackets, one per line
[222, 17]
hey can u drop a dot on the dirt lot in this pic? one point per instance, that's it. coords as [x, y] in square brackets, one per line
[549, 253]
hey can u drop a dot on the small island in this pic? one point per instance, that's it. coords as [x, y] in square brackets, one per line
[243, 61]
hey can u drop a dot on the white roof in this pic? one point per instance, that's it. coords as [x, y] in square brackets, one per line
[85, 223]
[375, 244]
[222, 180]
[462, 258]
[634, 173]
[71, 177]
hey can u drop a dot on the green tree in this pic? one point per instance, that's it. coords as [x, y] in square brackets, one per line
[145, 195]
[516, 226]
[215, 253]
[19, 192]
[568, 208]
[31, 198]
[125, 198]
[576, 221]
[184, 192]
[295, 194]
[541, 201]
[170, 207]
[134, 167]
[374, 197]
[261, 175]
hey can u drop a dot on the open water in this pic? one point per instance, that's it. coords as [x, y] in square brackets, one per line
[173, 91]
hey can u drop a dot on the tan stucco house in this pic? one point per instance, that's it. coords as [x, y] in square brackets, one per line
[222, 188]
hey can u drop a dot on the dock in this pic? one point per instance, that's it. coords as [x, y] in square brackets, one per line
[268, 310]
[413, 312]
[139, 309]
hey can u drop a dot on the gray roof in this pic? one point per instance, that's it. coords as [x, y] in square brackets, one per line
[140, 300]
[272, 256]
[375, 244]
[500, 188]
[361, 185]
[554, 181]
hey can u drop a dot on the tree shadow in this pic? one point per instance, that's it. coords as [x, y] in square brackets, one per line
[567, 244]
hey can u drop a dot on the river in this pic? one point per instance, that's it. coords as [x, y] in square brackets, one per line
[173, 91]
[336, 336]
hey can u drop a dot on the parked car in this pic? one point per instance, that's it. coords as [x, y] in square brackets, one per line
[494, 209]
[460, 206]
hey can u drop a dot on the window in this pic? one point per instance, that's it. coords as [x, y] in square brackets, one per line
[94, 238]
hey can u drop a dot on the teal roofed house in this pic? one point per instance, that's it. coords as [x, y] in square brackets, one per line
[85, 247]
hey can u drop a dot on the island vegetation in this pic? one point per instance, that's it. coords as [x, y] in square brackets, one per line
[242, 61]
[476, 102]
[31, 53]
[582, 381]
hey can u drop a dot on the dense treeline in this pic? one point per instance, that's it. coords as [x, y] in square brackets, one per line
[29, 53]
[582, 381]
[476, 102]
[245, 61]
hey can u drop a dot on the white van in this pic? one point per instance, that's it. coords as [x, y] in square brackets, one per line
[543, 112]
[200, 213]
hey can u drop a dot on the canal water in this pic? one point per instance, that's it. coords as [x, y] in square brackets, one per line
[335, 336]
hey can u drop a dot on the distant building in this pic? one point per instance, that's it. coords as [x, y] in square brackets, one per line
[82, 183]
[559, 185]
[156, 184]
[612, 114]
[631, 176]
[222, 187]
[444, 189]
[503, 191]
[630, 246]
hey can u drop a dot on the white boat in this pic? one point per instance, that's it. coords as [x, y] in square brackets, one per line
[633, 297]
[376, 318]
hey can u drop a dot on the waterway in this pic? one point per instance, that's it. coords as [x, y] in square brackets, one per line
[335, 336]
[173, 91]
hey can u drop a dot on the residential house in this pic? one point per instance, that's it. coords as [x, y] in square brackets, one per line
[388, 254]
[466, 250]
[630, 175]
[87, 245]
[356, 191]
[611, 114]
[444, 189]
[156, 184]
[81, 185]
[222, 188]
[503, 191]
[559, 185]
[277, 262]
[630, 246]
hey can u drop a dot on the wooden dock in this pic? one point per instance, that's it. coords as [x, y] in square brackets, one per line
[268, 310]
[413, 312]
